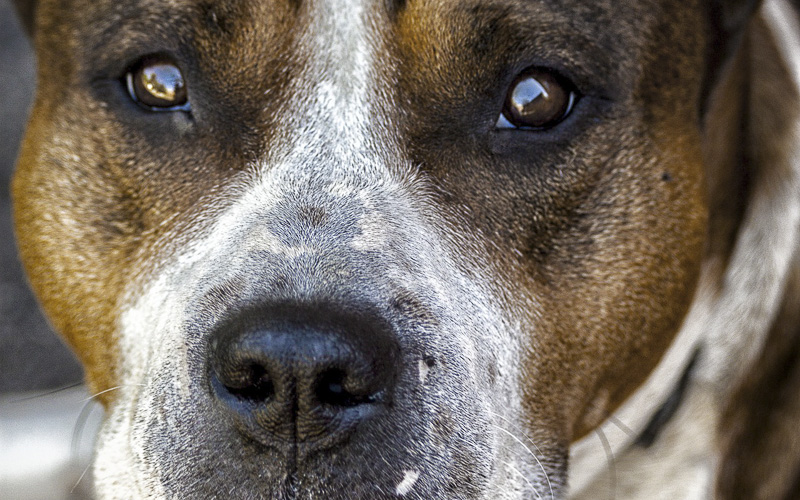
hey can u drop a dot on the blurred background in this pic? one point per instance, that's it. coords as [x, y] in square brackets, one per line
[31, 356]
[47, 422]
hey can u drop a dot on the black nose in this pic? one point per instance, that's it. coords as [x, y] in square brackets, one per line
[310, 374]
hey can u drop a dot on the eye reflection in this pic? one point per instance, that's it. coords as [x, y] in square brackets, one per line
[538, 99]
[527, 91]
[157, 84]
[163, 81]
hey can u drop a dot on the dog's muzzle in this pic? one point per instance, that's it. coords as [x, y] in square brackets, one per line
[318, 342]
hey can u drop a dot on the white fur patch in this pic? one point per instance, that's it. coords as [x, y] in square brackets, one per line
[423, 370]
[409, 480]
[263, 239]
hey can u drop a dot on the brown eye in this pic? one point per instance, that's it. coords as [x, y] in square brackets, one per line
[157, 84]
[538, 99]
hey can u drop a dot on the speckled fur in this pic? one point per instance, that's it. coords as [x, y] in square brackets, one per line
[343, 152]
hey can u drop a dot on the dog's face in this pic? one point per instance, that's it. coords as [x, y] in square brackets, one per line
[351, 249]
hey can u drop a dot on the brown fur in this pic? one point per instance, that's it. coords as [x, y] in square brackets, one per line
[759, 431]
[605, 236]
[586, 306]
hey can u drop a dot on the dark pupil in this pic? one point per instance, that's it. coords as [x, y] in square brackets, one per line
[160, 85]
[537, 101]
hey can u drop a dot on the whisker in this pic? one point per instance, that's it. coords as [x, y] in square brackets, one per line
[612, 463]
[619, 424]
[612, 419]
[530, 485]
[95, 395]
[80, 425]
[46, 393]
[75, 486]
[516, 428]
[518, 440]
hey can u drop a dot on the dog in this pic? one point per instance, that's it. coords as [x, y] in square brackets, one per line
[485, 249]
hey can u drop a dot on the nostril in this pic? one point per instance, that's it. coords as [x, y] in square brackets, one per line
[250, 383]
[290, 374]
[331, 390]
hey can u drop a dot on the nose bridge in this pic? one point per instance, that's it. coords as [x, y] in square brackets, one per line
[341, 96]
[329, 236]
[336, 180]
[336, 150]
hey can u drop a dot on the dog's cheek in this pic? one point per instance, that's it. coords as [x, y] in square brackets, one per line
[625, 310]
[604, 326]
[77, 231]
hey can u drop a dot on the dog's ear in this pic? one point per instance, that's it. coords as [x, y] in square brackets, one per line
[26, 10]
[731, 16]
[752, 149]
[727, 22]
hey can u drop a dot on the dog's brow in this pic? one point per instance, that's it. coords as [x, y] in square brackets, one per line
[502, 32]
[131, 30]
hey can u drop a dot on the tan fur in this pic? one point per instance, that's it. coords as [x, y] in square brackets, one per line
[584, 248]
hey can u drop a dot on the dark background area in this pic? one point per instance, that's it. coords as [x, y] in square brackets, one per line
[32, 357]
